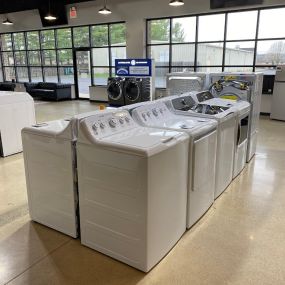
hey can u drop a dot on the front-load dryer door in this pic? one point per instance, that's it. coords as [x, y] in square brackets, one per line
[132, 91]
[203, 179]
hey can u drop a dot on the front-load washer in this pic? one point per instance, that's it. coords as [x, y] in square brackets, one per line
[132, 188]
[227, 121]
[242, 129]
[51, 177]
[202, 152]
[16, 112]
[115, 91]
[137, 90]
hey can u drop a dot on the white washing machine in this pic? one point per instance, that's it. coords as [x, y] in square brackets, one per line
[246, 86]
[132, 188]
[16, 112]
[202, 152]
[51, 177]
[242, 129]
[226, 131]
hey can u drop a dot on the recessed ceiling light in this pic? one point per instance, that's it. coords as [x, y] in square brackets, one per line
[176, 3]
[7, 22]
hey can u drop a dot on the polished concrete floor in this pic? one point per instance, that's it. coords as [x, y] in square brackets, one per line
[241, 239]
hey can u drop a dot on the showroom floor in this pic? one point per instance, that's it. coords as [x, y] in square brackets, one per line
[239, 241]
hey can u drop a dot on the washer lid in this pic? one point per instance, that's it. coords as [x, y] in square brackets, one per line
[10, 97]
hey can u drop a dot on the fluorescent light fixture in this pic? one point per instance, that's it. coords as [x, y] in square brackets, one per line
[7, 22]
[105, 10]
[50, 17]
[176, 3]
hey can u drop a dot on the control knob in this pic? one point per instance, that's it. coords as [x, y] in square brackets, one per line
[121, 121]
[154, 111]
[95, 127]
[102, 125]
[127, 119]
[112, 123]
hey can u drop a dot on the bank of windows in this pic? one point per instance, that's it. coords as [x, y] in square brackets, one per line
[47, 55]
[252, 40]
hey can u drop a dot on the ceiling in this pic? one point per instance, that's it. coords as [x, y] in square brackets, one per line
[10, 6]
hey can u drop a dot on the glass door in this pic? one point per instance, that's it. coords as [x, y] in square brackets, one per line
[83, 73]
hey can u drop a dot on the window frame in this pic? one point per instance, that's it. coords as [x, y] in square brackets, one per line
[56, 49]
[254, 66]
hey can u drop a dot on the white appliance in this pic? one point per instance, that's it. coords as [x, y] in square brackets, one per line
[241, 140]
[202, 152]
[16, 112]
[51, 176]
[278, 100]
[182, 82]
[226, 132]
[132, 188]
[245, 86]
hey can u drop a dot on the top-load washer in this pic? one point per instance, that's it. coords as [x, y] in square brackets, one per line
[16, 112]
[132, 188]
[51, 176]
[115, 91]
[245, 86]
[202, 152]
[243, 109]
[227, 120]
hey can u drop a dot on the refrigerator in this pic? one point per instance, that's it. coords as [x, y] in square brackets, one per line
[278, 100]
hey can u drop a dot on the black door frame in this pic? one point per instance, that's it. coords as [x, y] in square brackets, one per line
[75, 50]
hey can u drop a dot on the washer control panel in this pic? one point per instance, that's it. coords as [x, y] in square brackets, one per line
[108, 123]
[152, 113]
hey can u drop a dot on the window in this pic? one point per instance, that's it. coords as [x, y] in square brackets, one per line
[270, 52]
[183, 30]
[241, 25]
[99, 36]
[271, 24]
[47, 55]
[19, 41]
[118, 34]
[64, 38]
[33, 40]
[240, 41]
[211, 28]
[81, 37]
[47, 39]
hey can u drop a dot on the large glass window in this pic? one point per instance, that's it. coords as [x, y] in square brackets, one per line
[99, 36]
[81, 37]
[47, 39]
[241, 25]
[64, 38]
[33, 40]
[271, 24]
[211, 28]
[249, 40]
[183, 30]
[118, 34]
[19, 41]
[47, 55]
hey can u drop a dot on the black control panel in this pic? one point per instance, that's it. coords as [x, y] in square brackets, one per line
[205, 95]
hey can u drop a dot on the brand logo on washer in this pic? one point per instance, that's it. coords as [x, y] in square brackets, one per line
[133, 62]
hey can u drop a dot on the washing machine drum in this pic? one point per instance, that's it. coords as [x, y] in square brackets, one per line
[132, 90]
[114, 90]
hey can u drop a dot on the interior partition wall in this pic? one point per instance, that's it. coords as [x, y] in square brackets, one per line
[238, 41]
[47, 55]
